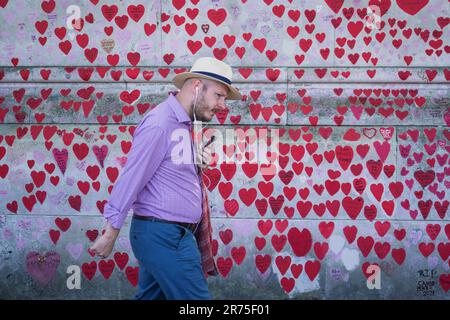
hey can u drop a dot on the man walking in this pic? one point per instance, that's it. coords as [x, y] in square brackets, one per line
[170, 231]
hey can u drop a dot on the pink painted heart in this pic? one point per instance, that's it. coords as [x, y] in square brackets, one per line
[42, 268]
[231, 207]
[404, 172]
[75, 250]
[357, 111]
[382, 149]
[444, 280]
[369, 132]
[335, 5]
[344, 155]
[224, 265]
[61, 157]
[409, 183]
[425, 178]
[100, 153]
[418, 156]
[387, 132]
[404, 150]
[217, 16]
[447, 118]
[211, 177]
[412, 7]
[130, 97]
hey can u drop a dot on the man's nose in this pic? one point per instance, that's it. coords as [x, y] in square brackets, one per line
[222, 104]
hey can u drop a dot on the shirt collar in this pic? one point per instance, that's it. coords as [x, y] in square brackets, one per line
[178, 109]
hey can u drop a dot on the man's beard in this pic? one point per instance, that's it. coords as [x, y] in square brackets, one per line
[199, 108]
[201, 117]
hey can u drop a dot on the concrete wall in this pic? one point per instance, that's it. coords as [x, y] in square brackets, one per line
[363, 170]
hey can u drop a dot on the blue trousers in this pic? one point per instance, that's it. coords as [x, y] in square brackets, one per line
[169, 262]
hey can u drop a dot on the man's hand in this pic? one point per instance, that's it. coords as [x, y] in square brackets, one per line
[103, 246]
[207, 159]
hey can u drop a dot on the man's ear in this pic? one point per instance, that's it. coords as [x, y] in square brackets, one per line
[196, 82]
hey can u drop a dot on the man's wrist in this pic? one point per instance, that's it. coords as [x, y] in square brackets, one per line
[111, 232]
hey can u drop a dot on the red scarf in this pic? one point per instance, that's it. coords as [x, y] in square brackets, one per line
[204, 237]
[203, 234]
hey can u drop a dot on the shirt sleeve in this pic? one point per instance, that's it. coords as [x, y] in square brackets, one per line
[149, 147]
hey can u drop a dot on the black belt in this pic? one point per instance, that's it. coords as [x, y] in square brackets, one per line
[189, 226]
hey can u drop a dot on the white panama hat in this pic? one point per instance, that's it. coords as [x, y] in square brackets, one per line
[212, 69]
